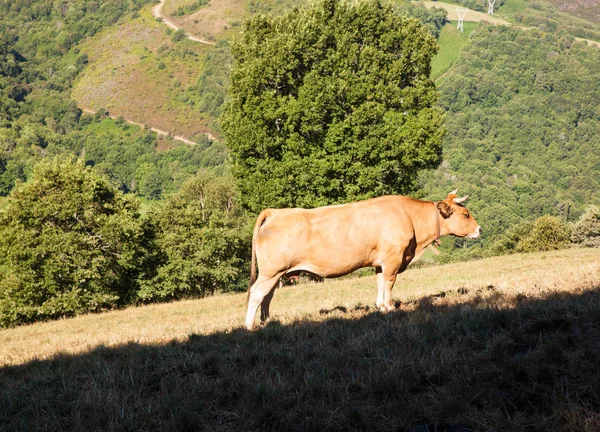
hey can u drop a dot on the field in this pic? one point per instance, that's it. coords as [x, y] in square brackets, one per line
[504, 344]
[451, 41]
[137, 71]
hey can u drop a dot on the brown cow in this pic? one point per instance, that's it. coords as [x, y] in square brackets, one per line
[386, 233]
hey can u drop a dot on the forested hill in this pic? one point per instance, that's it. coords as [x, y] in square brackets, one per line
[523, 121]
[40, 58]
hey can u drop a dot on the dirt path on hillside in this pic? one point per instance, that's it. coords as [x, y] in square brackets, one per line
[157, 13]
[475, 16]
[153, 129]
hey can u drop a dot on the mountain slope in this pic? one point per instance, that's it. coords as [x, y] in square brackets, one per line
[521, 126]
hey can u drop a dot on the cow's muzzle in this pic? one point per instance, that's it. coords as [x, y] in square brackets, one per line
[477, 232]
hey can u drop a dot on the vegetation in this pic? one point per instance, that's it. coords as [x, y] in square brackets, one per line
[37, 72]
[478, 5]
[451, 42]
[544, 16]
[546, 233]
[203, 233]
[190, 8]
[586, 232]
[478, 346]
[39, 118]
[145, 72]
[214, 80]
[521, 128]
[70, 243]
[328, 110]
[128, 156]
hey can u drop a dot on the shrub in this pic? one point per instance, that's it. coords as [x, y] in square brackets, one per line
[178, 35]
[542, 234]
[69, 243]
[586, 231]
[547, 233]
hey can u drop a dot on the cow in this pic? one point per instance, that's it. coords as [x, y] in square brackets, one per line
[386, 233]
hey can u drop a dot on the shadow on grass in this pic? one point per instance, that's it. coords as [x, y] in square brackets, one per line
[488, 363]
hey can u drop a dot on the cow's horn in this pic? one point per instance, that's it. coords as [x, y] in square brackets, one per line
[453, 192]
[459, 200]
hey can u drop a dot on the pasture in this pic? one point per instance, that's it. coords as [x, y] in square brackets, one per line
[451, 41]
[506, 344]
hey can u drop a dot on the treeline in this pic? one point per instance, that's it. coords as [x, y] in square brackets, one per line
[70, 242]
[522, 128]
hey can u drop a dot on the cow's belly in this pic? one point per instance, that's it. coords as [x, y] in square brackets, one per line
[330, 269]
[319, 259]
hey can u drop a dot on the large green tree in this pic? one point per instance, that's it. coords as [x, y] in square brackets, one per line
[70, 242]
[331, 103]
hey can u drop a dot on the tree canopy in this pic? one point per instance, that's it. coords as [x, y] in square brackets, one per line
[331, 103]
[70, 243]
[205, 238]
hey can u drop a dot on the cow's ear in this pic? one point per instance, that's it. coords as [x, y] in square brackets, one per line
[445, 209]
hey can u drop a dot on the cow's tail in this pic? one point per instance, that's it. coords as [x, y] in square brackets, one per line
[259, 221]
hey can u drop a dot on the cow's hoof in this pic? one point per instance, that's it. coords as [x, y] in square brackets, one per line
[390, 308]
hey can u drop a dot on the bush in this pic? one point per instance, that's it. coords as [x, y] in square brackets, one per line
[69, 243]
[548, 233]
[543, 234]
[586, 231]
[178, 35]
[205, 238]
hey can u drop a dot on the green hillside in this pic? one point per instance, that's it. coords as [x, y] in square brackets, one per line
[521, 123]
[451, 42]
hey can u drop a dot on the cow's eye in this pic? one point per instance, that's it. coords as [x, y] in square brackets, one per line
[467, 215]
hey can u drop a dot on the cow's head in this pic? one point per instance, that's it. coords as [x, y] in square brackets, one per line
[457, 220]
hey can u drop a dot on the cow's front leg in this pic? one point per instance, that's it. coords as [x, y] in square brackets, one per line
[389, 279]
[380, 288]
[386, 277]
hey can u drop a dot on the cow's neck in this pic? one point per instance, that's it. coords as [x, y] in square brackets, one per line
[429, 228]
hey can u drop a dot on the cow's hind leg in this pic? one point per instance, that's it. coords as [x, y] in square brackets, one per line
[261, 292]
[266, 303]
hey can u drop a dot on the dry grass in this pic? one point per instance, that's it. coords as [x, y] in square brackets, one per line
[505, 344]
[217, 20]
[124, 76]
[528, 275]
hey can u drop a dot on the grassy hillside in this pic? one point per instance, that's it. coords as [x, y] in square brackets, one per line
[555, 16]
[586, 9]
[500, 344]
[451, 41]
[220, 19]
[136, 70]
